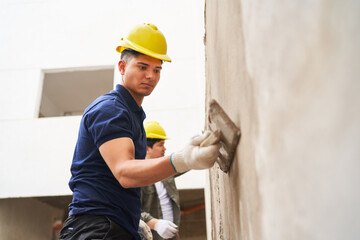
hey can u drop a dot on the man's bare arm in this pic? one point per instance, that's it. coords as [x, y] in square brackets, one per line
[119, 155]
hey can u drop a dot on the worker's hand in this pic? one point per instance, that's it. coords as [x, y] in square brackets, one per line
[144, 231]
[166, 229]
[200, 153]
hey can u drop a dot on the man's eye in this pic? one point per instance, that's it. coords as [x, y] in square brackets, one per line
[157, 71]
[142, 67]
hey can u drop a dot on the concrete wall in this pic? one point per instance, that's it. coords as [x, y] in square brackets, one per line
[287, 73]
[27, 219]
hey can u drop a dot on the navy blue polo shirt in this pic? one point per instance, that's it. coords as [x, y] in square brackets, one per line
[95, 189]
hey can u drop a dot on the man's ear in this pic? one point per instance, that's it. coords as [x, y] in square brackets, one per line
[122, 65]
[148, 149]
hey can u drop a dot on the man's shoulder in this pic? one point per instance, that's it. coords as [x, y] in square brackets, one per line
[169, 180]
[169, 183]
[107, 102]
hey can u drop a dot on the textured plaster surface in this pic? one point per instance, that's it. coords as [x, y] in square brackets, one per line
[287, 73]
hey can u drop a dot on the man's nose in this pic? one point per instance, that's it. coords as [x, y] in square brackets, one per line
[150, 74]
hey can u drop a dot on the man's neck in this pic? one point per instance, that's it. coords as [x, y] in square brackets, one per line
[138, 99]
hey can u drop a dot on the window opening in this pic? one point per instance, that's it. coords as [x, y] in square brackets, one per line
[68, 93]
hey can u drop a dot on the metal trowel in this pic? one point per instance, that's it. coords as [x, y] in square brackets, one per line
[222, 126]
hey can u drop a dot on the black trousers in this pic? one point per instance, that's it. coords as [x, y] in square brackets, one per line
[86, 227]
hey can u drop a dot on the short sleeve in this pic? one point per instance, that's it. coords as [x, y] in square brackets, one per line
[108, 120]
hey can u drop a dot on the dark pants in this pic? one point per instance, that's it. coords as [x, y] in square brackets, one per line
[86, 227]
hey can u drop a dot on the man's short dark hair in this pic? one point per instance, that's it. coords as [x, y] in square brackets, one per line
[151, 141]
[129, 53]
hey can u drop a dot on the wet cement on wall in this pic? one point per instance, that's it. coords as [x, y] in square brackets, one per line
[287, 73]
[235, 202]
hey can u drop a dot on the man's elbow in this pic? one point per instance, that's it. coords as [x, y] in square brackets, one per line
[126, 182]
[121, 176]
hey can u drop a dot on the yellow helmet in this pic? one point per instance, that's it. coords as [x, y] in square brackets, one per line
[147, 39]
[154, 130]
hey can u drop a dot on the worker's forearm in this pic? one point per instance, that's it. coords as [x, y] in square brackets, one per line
[139, 173]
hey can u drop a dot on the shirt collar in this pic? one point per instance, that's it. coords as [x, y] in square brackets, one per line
[129, 99]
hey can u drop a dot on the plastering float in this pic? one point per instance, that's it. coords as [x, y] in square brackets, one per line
[222, 126]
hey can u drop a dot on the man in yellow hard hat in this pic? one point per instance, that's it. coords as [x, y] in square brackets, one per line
[160, 201]
[108, 166]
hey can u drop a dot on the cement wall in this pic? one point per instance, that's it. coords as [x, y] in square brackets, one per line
[25, 218]
[287, 73]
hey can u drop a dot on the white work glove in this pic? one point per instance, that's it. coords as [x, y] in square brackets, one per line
[166, 229]
[200, 153]
[144, 231]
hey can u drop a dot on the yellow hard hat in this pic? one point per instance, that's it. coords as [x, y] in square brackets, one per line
[147, 39]
[154, 130]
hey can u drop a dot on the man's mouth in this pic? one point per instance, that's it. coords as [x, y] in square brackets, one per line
[147, 85]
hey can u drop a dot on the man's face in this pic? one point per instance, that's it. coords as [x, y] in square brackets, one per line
[140, 75]
[158, 150]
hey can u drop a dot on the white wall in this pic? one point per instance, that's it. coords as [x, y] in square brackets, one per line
[48, 35]
[36, 156]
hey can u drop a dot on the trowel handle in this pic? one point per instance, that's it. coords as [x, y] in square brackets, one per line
[214, 137]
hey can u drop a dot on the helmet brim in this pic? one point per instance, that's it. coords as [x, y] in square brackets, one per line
[127, 44]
